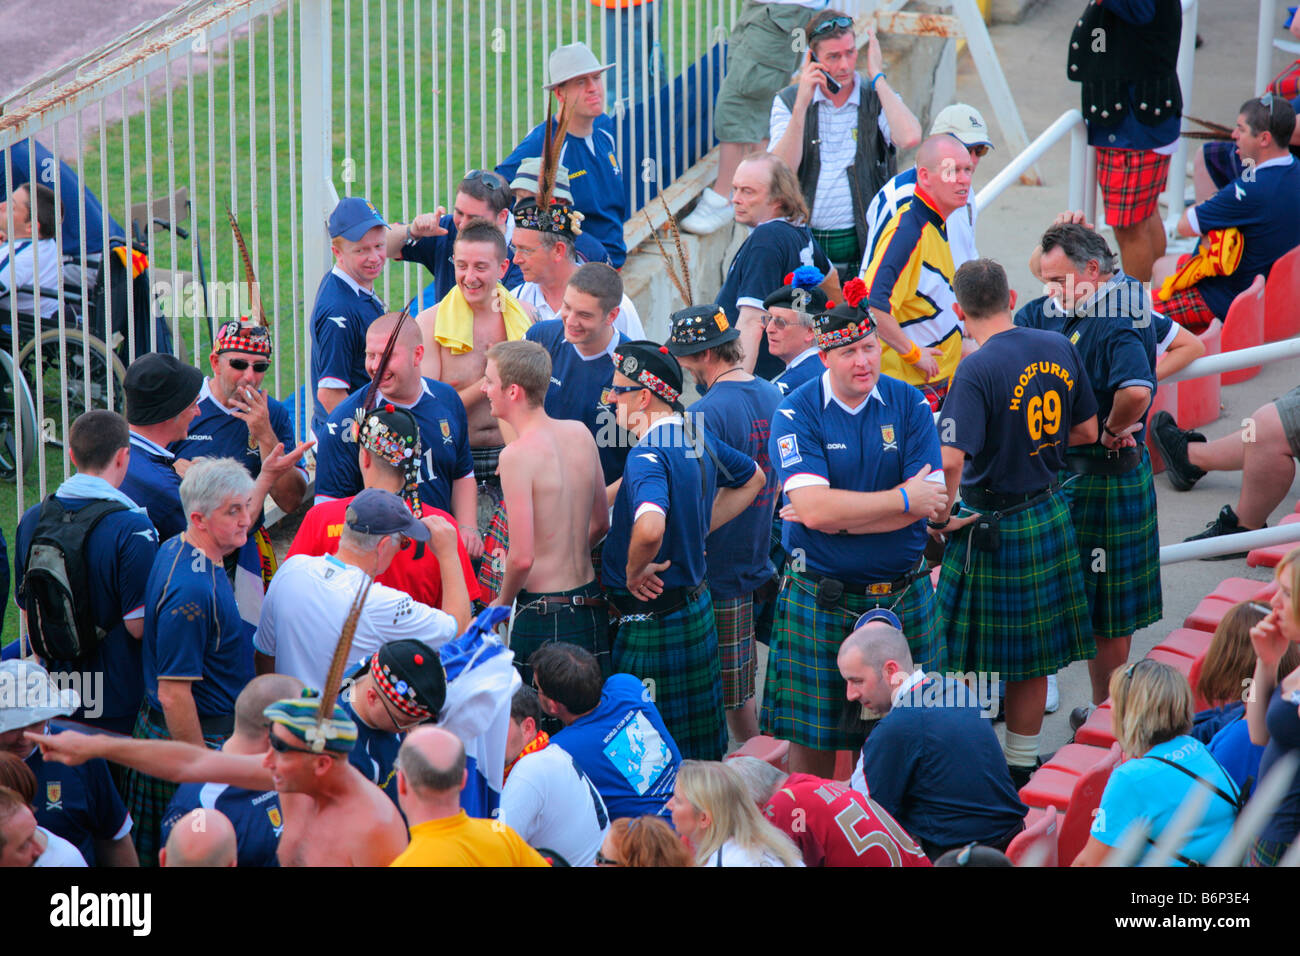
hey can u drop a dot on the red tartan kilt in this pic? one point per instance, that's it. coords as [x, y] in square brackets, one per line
[1287, 83]
[1131, 181]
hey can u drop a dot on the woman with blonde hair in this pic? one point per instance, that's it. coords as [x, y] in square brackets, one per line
[1271, 709]
[1150, 717]
[714, 814]
[643, 841]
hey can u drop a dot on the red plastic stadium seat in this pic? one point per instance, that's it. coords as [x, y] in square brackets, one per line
[1049, 787]
[1272, 556]
[1166, 400]
[1198, 398]
[1085, 799]
[1040, 838]
[768, 749]
[1208, 614]
[1281, 293]
[1096, 730]
[1179, 662]
[1244, 328]
[1077, 759]
[1199, 703]
[1237, 589]
[1266, 592]
[1186, 641]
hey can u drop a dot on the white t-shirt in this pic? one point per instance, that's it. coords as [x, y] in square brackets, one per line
[58, 852]
[18, 268]
[733, 854]
[628, 320]
[309, 599]
[550, 802]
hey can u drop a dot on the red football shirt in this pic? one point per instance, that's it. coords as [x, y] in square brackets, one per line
[422, 579]
[836, 826]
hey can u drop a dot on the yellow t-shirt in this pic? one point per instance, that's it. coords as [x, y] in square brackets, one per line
[465, 841]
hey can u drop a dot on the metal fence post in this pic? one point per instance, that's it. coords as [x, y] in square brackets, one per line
[316, 159]
[1268, 22]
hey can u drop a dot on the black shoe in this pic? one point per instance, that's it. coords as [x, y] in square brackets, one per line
[1079, 716]
[1225, 523]
[1171, 441]
[1020, 775]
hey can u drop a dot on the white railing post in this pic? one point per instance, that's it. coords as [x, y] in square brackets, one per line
[1078, 166]
[316, 157]
[1264, 44]
[1176, 184]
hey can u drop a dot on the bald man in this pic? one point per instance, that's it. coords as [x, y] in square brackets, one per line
[933, 762]
[446, 467]
[332, 815]
[202, 837]
[430, 776]
[910, 273]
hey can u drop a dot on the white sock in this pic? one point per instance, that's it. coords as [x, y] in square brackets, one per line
[1021, 749]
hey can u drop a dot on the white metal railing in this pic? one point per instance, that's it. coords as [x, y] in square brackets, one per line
[1176, 185]
[276, 107]
[1082, 193]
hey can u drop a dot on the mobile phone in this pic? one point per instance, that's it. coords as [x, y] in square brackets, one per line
[831, 86]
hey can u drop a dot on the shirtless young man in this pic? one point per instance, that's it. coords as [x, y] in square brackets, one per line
[469, 320]
[333, 816]
[555, 506]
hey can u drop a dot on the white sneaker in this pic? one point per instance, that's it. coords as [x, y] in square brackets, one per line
[1053, 696]
[711, 213]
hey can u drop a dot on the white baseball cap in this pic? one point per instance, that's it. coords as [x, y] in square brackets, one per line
[964, 122]
[29, 696]
[575, 59]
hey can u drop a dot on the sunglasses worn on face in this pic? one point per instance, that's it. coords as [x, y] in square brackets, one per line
[241, 365]
[603, 860]
[626, 389]
[981, 150]
[283, 747]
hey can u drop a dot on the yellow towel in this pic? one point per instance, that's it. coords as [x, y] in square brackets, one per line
[456, 320]
[1219, 254]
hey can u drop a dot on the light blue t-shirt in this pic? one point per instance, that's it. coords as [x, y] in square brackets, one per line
[1146, 788]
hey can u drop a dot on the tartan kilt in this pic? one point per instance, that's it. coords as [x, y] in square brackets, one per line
[588, 627]
[1131, 181]
[679, 654]
[492, 567]
[734, 618]
[804, 695]
[1019, 611]
[1187, 307]
[1266, 853]
[1287, 83]
[1115, 526]
[147, 798]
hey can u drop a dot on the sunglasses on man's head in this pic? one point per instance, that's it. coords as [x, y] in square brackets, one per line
[241, 365]
[834, 23]
[492, 179]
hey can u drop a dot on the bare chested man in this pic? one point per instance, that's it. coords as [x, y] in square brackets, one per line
[555, 506]
[460, 329]
[333, 816]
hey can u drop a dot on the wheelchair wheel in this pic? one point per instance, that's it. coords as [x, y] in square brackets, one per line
[86, 378]
[17, 414]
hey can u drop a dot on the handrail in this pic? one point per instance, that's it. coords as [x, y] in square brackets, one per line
[1080, 197]
[1237, 359]
[1264, 44]
[1229, 543]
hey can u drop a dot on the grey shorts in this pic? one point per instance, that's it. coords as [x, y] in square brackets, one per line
[1288, 410]
[761, 56]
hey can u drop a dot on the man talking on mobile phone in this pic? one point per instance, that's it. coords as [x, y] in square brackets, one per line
[844, 150]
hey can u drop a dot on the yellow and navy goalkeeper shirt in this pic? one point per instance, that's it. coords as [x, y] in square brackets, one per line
[910, 276]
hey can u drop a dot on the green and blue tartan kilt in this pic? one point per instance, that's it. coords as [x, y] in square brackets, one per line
[1019, 611]
[146, 797]
[734, 618]
[1115, 526]
[679, 654]
[588, 627]
[804, 695]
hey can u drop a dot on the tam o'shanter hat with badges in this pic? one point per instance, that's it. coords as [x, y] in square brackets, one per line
[410, 675]
[801, 292]
[558, 218]
[698, 328]
[652, 365]
[844, 324]
[393, 434]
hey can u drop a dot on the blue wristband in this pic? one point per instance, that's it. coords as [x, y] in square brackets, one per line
[878, 76]
[906, 506]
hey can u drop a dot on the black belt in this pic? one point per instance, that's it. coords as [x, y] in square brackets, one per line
[670, 600]
[550, 603]
[1114, 463]
[979, 499]
[222, 726]
[873, 589]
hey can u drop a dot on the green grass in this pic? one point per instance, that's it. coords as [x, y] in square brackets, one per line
[237, 147]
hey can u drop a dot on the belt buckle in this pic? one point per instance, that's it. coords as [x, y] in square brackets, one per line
[880, 588]
[1112, 454]
[578, 600]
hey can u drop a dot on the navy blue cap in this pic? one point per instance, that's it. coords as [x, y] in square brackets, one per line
[353, 217]
[376, 511]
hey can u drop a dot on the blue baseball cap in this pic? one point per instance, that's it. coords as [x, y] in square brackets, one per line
[353, 217]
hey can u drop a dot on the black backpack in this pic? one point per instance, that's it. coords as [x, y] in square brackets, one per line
[55, 588]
